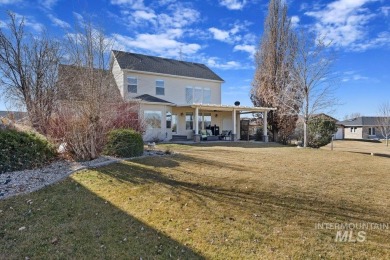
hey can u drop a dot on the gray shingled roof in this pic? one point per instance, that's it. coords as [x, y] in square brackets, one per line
[149, 98]
[360, 121]
[140, 62]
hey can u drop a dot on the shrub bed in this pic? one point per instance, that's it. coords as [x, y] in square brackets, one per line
[23, 150]
[124, 143]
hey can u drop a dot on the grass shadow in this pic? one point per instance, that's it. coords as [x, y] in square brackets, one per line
[66, 220]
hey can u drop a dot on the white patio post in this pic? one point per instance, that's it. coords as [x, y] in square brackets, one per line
[265, 132]
[233, 137]
[196, 127]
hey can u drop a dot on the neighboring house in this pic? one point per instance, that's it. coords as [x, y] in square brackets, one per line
[364, 127]
[177, 98]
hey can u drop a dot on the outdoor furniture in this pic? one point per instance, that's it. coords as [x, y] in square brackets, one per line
[225, 134]
[203, 134]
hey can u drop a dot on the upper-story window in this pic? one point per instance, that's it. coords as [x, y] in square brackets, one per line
[189, 95]
[160, 87]
[206, 96]
[132, 84]
[198, 95]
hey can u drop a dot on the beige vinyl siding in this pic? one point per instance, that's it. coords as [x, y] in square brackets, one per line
[354, 135]
[118, 76]
[174, 87]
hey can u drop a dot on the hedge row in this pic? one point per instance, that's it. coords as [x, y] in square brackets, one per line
[22, 150]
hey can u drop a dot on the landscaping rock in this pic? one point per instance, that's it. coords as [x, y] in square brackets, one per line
[26, 181]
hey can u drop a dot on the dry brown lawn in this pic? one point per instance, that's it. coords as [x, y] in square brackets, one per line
[215, 201]
[360, 147]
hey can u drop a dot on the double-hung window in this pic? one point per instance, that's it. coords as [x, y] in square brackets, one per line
[132, 83]
[371, 131]
[160, 87]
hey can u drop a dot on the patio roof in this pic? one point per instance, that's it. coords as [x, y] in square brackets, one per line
[228, 108]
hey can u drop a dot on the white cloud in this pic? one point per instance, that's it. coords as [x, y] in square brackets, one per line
[251, 49]
[344, 23]
[385, 10]
[233, 4]
[48, 4]
[134, 4]
[215, 62]
[352, 76]
[58, 22]
[219, 34]
[6, 2]
[295, 21]
[143, 15]
[229, 36]
[164, 44]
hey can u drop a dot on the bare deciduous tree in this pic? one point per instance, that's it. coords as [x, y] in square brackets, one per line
[28, 68]
[91, 104]
[353, 115]
[274, 59]
[313, 81]
[384, 120]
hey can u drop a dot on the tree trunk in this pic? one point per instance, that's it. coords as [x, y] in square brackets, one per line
[387, 142]
[304, 132]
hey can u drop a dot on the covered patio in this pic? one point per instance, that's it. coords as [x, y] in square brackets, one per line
[227, 113]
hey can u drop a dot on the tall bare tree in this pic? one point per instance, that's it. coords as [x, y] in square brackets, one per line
[274, 59]
[28, 69]
[313, 80]
[384, 121]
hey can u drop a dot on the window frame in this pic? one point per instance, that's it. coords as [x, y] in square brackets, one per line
[129, 85]
[149, 126]
[160, 88]
[189, 123]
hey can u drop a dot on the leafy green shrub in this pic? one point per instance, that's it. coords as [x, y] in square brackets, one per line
[124, 143]
[320, 132]
[23, 150]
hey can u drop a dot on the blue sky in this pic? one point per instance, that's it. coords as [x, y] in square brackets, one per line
[224, 34]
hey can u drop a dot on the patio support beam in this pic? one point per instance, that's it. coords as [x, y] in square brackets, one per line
[196, 120]
[233, 137]
[265, 132]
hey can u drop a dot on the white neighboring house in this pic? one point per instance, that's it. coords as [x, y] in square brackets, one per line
[178, 98]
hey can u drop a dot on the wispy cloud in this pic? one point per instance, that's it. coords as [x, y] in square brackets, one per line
[352, 76]
[233, 4]
[345, 23]
[58, 22]
[6, 2]
[48, 4]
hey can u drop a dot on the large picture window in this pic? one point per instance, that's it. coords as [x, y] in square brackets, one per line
[189, 120]
[152, 119]
[160, 87]
[198, 95]
[132, 83]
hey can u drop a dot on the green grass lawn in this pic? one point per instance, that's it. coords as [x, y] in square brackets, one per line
[218, 201]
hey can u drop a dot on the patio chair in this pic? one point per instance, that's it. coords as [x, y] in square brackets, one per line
[225, 134]
[203, 134]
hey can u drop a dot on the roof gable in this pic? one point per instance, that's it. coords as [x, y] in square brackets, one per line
[140, 62]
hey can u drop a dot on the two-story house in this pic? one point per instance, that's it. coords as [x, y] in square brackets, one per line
[177, 98]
